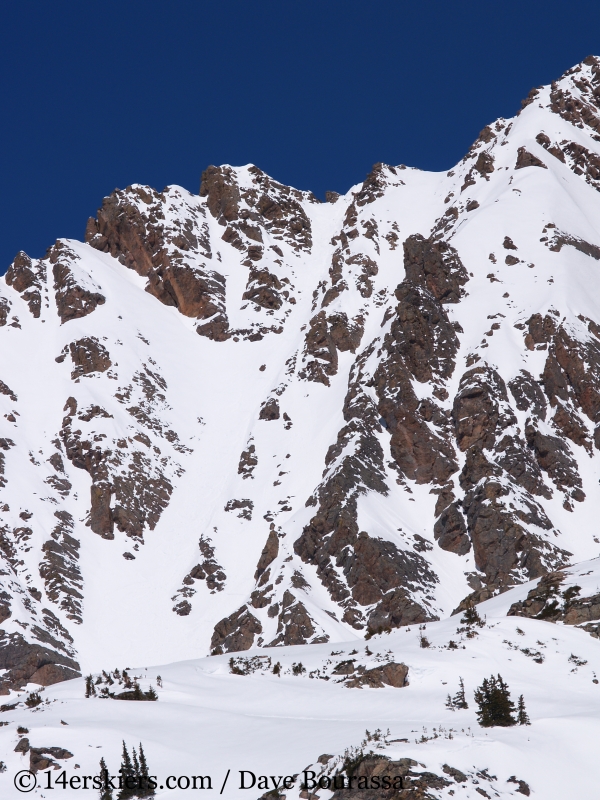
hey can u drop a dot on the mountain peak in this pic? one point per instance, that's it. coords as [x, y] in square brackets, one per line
[252, 419]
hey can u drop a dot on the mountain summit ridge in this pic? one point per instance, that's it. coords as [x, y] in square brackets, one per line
[254, 419]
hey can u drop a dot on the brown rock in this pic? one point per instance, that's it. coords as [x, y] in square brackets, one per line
[435, 265]
[219, 186]
[21, 659]
[391, 674]
[217, 329]
[88, 356]
[526, 159]
[450, 530]
[101, 519]
[248, 461]
[476, 411]
[50, 674]
[264, 289]
[235, 632]
[268, 555]
[72, 300]
[22, 746]
[5, 307]
[295, 625]
[27, 280]
[39, 757]
[528, 395]
[172, 257]
[269, 410]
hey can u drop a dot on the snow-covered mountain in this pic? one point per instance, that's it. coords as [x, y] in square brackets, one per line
[248, 419]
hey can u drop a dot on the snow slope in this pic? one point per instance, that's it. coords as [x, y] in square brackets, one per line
[208, 720]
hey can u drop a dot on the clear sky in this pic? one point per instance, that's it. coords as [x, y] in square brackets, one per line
[98, 95]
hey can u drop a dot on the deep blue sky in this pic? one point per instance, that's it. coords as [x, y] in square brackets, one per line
[98, 95]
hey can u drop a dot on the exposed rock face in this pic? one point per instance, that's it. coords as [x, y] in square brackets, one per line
[370, 770]
[505, 542]
[88, 356]
[269, 410]
[436, 266]
[326, 336]
[527, 159]
[268, 555]
[208, 570]
[248, 461]
[60, 568]
[27, 278]
[130, 489]
[553, 601]
[136, 227]
[267, 205]
[450, 530]
[421, 344]
[575, 97]
[22, 660]
[39, 757]
[387, 675]
[73, 300]
[294, 623]
[235, 632]
[375, 571]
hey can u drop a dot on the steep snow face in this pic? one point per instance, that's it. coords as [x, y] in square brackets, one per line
[251, 419]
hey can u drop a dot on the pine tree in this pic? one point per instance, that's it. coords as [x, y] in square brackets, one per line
[495, 705]
[460, 700]
[105, 788]
[90, 690]
[522, 715]
[145, 790]
[151, 694]
[136, 767]
[471, 616]
[450, 703]
[128, 779]
[137, 692]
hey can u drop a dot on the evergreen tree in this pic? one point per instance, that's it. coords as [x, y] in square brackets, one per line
[137, 692]
[471, 616]
[450, 703]
[105, 788]
[459, 700]
[128, 778]
[522, 715]
[144, 790]
[136, 766]
[90, 690]
[495, 705]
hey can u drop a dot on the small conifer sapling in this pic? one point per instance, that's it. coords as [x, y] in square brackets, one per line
[522, 715]
[460, 700]
[471, 616]
[105, 787]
